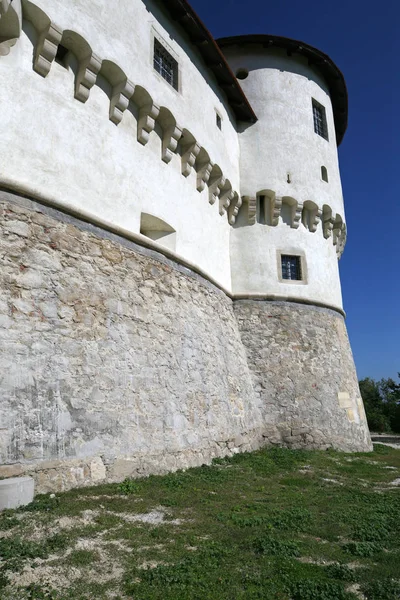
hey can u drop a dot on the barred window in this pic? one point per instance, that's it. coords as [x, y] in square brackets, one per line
[320, 125]
[165, 64]
[291, 267]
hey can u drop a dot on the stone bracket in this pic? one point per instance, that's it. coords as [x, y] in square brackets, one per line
[10, 24]
[297, 212]
[120, 98]
[234, 208]
[46, 49]
[86, 78]
[215, 187]
[276, 207]
[146, 122]
[4, 6]
[189, 155]
[315, 220]
[203, 175]
[251, 209]
[225, 200]
[171, 136]
[327, 225]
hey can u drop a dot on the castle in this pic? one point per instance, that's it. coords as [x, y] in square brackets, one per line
[171, 223]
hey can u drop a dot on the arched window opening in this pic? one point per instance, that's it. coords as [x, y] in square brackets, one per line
[324, 174]
[158, 230]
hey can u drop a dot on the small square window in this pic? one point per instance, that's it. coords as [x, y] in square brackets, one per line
[291, 267]
[319, 115]
[165, 64]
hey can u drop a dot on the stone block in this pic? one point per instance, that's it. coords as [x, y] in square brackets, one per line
[15, 492]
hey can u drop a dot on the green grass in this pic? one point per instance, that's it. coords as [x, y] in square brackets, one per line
[274, 524]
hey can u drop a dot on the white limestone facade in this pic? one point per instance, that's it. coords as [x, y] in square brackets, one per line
[128, 118]
[105, 136]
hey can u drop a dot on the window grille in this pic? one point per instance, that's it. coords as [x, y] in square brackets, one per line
[320, 125]
[291, 267]
[165, 64]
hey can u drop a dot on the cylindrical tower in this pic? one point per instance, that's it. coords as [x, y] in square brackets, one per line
[286, 243]
[289, 171]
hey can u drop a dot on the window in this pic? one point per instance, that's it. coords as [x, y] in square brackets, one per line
[324, 174]
[291, 267]
[218, 120]
[320, 125]
[165, 64]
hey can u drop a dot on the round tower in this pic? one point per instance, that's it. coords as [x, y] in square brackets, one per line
[287, 240]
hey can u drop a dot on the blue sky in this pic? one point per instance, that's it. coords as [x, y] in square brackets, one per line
[360, 37]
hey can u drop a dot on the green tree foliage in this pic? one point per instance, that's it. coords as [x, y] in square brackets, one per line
[382, 404]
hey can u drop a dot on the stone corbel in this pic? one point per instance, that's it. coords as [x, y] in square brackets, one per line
[215, 187]
[251, 209]
[86, 78]
[120, 97]
[339, 238]
[337, 232]
[327, 225]
[203, 175]
[343, 238]
[315, 220]
[10, 24]
[276, 207]
[189, 155]
[234, 209]
[4, 6]
[46, 49]
[146, 122]
[297, 212]
[225, 200]
[6, 45]
[171, 136]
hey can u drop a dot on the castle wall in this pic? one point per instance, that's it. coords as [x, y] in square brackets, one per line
[256, 266]
[70, 152]
[303, 374]
[119, 362]
[115, 360]
[283, 142]
[123, 33]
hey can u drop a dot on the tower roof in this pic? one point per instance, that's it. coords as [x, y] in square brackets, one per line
[183, 13]
[332, 75]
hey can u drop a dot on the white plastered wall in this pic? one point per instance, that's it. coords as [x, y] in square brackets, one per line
[281, 145]
[256, 266]
[280, 89]
[56, 147]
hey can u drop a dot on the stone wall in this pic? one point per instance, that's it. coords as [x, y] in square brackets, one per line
[114, 360]
[303, 375]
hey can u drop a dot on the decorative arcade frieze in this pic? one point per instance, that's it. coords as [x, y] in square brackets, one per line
[175, 139]
[268, 209]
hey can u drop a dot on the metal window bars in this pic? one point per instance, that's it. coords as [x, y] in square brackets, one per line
[320, 125]
[165, 64]
[291, 267]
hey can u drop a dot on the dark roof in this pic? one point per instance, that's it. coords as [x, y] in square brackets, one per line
[328, 69]
[199, 35]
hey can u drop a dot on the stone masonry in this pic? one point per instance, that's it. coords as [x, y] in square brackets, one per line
[303, 375]
[116, 361]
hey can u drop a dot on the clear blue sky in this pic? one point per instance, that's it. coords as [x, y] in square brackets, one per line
[362, 38]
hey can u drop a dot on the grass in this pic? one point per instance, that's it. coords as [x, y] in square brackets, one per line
[274, 524]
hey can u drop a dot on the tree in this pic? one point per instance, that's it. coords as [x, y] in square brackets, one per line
[382, 404]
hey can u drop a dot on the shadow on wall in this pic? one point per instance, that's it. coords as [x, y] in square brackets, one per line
[158, 230]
